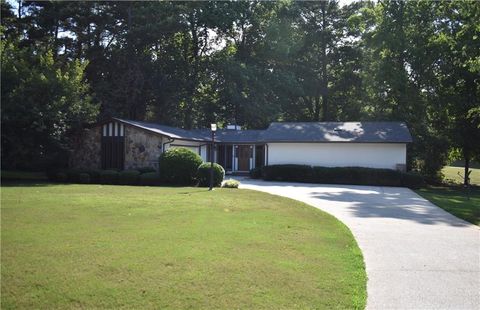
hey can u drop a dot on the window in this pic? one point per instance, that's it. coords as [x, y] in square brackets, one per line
[113, 146]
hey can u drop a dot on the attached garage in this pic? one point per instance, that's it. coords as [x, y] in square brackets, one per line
[338, 144]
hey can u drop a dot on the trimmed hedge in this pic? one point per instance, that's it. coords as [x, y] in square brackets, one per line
[203, 174]
[108, 177]
[149, 178]
[61, 177]
[256, 173]
[84, 178]
[145, 169]
[128, 177]
[413, 180]
[179, 166]
[292, 173]
[341, 175]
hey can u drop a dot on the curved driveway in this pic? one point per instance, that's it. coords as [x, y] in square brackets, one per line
[417, 256]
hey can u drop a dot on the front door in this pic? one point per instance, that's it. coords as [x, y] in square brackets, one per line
[244, 152]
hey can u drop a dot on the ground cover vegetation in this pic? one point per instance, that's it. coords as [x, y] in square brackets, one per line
[461, 202]
[102, 246]
[67, 64]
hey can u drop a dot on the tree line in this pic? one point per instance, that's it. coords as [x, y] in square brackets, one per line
[188, 64]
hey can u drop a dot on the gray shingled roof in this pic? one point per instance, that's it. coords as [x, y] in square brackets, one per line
[171, 132]
[364, 132]
[360, 132]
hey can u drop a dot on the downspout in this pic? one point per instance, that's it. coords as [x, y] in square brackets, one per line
[266, 162]
[170, 140]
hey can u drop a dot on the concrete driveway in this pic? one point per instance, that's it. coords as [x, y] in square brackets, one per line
[417, 256]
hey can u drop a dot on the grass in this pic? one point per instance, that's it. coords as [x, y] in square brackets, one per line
[454, 200]
[93, 246]
[452, 174]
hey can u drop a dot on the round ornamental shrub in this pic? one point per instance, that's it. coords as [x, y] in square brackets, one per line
[149, 178]
[203, 174]
[61, 177]
[231, 184]
[108, 177]
[128, 177]
[179, 166]
[84, 178]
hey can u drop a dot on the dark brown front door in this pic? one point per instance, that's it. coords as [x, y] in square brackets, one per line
[244, 157]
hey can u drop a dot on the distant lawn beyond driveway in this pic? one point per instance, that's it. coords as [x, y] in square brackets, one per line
[454, 200]
[92, 246]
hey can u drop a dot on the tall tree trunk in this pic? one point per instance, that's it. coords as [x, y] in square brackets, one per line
[324, 75]
[466, 155]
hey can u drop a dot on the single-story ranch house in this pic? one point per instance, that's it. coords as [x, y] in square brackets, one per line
[126, 144]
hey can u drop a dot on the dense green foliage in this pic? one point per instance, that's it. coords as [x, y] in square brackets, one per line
[150, 179]
[128, 177]
[203, 174]
[179, 166]
[109, 177]
[341, 175]
[119, 246]
[191, 63]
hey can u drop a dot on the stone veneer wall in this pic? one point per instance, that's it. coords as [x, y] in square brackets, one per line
[142, 148]
[87, 150]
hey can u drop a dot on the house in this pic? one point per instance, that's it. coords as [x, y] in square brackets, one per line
[126, 144]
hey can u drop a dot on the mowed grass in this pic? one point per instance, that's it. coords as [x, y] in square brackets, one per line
[455, 175]
[92, 246]
[454, 200]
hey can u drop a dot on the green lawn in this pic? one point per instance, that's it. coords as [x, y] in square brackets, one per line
[454, 200]
[451, 174]
[93, 246]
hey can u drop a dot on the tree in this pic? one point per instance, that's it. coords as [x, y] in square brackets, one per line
[41, 103]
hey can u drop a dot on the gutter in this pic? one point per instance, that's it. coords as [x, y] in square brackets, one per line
[170, 140]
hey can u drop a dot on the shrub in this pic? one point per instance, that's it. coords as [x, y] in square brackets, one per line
[203, 174]
[412, 180]
[52, 173]
[293, 173]
[179, 166]
[94, 174]
[357, 176]
[73, 175]
[108, 177]
[231, 184]
[149, 178]
[145, 169]
[61, 177]
[84, 178]
[342, 175]
[256, 173]
[128, 177]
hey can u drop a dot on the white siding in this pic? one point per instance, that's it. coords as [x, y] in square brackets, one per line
[373, 155]
[191, 145]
